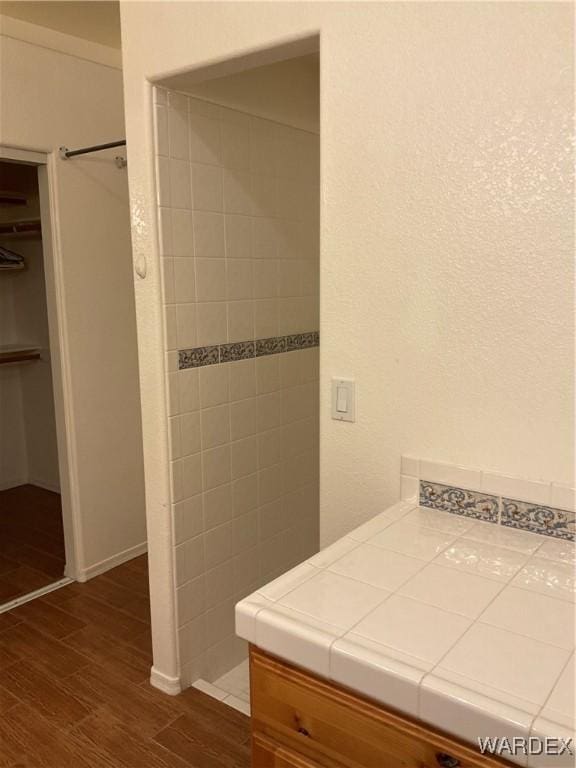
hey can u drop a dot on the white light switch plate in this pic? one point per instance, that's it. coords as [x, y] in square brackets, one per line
[343, 399]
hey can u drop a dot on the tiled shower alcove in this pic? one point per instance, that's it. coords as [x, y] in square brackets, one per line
[238, 211]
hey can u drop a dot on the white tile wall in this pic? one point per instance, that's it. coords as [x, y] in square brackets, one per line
[238, 218]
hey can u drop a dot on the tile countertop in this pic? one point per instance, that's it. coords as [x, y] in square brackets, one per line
[465, 625]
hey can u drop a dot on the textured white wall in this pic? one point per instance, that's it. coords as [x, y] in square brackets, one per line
[50, 99]
[446, 235]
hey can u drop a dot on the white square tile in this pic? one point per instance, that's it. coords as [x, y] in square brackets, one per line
[191, 475]
[334, 599]
[237, 192]
[240, 321]
[188, 519]
[373, 565]
[190, 435]
[235, 144]
[191, 600]
[398, 623]
[237, 703]
[210, 690]
[178, 127]
[448, 703]
[184, 280]
[165, 231]
[409, 466]
[220, 584]
[515, 488]
[207, 187]
[239, 279]
[265, 275]
[163, 181]
[541, 730]
[218, 545]
[302, 639]
[558, 549]
[182, 235]
[189, 560]
[265, 318]
[214, 387]
[189, 390]
[276, 589]
[502, 536]
[562, 496]
[264, 195]
[208, 235]
[548, 577]
[440, 521]
[409, 487]
[560, 705]
[485, 655]
[161, 127]
[482, 559]
[212, 323]
[413, 539]
[216, 466]
[186, 326]
[238, 236]
[264, 238]
[369, 529]
[534, 615]
[205, 140]
[215, 426]
[211, 279]
[244, 495]
[180, 191]
[463, 593]
[333, 552]
[363, 665]
[449, 474]
[245, 614]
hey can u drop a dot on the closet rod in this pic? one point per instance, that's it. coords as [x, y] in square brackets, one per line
[66, 153]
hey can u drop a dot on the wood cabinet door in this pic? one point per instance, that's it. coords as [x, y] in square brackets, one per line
[267, 754]
[336, 728]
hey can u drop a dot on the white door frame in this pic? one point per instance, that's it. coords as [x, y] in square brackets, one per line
[45, 162]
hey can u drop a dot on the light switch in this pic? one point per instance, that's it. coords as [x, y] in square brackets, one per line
[343, 400]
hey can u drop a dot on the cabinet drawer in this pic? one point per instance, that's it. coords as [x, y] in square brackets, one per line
[267, 754]
[335, 728]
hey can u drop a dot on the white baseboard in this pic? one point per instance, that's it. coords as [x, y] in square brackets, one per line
[164, 683]
[111, 562]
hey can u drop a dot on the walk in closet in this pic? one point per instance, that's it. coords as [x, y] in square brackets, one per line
[31, 532]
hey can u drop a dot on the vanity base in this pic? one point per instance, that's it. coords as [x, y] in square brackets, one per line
[302, 721]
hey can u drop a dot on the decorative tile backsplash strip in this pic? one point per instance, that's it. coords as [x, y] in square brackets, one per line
[242, 350]
[459, 501]
[523, 515]
[538, 519]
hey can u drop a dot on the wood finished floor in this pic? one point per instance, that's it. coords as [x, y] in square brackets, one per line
[74, 690]
[31, 540]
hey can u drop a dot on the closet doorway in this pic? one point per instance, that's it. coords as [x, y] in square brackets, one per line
[32, 532]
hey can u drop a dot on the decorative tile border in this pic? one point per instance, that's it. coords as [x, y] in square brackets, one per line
[196, 358]
[302, 341]
[244, 350]
[273, 346]
[459, 501]
[241, 350]
[538, 519]
[523, 515]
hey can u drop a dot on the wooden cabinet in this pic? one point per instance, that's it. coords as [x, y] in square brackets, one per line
[302, 721]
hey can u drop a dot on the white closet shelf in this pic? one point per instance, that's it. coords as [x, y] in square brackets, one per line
[18, 353]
